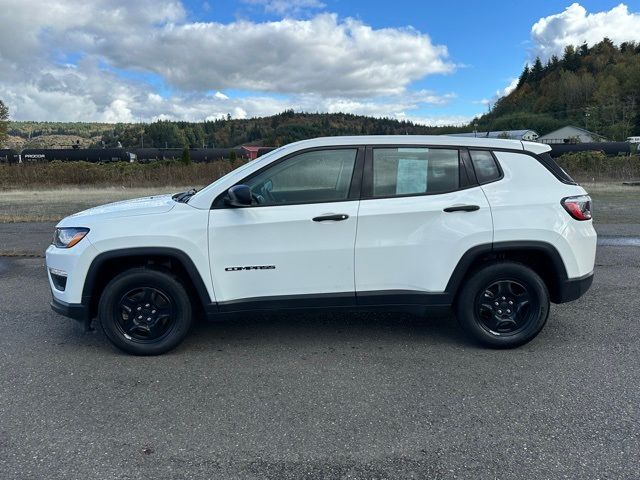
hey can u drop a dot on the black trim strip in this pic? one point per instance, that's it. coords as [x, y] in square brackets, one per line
[573, 288]
[282, 302]
[77, 311]
[403, 297]
[393, 299]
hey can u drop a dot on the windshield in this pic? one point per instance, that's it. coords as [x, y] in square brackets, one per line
[239, 169]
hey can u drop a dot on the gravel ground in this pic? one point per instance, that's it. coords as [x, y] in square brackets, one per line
[324, 395]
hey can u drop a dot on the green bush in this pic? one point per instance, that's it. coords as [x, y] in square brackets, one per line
[186, 157]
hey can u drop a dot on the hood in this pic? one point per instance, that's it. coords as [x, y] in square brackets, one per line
[126, 208]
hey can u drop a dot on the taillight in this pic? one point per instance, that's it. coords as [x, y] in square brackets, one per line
[578, 207]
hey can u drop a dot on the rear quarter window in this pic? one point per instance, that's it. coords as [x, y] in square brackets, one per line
[485, 166]
[557, 171]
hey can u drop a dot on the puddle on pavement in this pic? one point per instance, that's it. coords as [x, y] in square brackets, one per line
[619, 241]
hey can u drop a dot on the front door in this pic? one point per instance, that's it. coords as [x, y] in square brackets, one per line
[295, 245]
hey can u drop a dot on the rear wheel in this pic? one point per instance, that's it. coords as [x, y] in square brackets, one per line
[503, 305]
[145, 312]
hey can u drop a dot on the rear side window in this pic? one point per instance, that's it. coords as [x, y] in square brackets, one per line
[414, 171]
[559, 172]
[485, 166]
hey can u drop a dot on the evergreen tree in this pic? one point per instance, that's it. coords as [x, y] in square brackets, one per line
[524, 76]
[537, 71]
[570, 60]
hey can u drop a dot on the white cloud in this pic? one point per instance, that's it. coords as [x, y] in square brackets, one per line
[503, 92]
[78, 60]
[286, 7]
[321, 55]
[439, 121]
[575, 26]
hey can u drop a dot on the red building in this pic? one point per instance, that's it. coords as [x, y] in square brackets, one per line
[250, 152]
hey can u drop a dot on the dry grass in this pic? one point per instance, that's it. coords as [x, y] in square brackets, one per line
[53, 205]
[614, 203]
[51, 191]
[128, 175]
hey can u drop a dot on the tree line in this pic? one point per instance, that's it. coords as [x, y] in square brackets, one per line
[277, 130]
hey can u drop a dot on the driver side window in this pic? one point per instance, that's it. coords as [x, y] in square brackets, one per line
[310, 177]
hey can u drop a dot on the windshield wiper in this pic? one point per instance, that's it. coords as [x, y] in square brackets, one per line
[184, 196]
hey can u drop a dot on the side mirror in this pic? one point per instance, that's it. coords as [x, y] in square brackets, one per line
[238, 196]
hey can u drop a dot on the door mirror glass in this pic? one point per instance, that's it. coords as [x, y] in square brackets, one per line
[239, 196]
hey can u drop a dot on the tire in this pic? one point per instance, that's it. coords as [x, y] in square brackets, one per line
[484, 310]
[145, 312]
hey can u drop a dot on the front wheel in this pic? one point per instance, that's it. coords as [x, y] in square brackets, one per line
[145, 312]
[503, 305]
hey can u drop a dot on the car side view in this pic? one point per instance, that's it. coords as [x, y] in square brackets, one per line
[493, 229]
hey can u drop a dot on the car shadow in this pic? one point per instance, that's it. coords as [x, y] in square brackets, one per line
[301, 329]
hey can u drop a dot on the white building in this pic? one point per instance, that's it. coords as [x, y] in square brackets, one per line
[528, 135]
[571, 134]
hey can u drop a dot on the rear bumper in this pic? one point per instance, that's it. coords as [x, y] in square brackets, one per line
[77, 311]
[573, 288]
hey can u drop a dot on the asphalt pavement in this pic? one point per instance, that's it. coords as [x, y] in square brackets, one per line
[324, 395]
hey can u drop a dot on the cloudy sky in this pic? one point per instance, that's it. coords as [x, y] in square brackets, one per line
[431, 62]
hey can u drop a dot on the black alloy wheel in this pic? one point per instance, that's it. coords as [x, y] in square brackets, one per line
[503, 304]
[145, 312]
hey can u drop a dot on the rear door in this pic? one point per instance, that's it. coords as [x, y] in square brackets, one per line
[295, 245]
[421, 210]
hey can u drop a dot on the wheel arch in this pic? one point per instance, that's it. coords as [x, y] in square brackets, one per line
[542, 257]
[107, 265]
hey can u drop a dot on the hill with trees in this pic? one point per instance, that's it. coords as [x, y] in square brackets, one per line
[596, 87]
[276, 130]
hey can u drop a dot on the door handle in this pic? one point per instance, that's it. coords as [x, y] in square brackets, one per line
[462, 208]
[335, 217]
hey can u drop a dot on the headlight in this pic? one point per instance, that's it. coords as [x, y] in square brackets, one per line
[68, 237]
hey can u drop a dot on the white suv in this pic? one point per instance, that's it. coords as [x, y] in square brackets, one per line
[493, 228]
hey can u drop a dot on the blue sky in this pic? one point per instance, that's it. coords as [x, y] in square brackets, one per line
[432, 62]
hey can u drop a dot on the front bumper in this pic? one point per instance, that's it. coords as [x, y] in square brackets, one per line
[573, 288]
[77, 311]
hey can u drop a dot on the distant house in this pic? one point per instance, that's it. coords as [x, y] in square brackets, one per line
[250, 152]
[527, 135]
[571, 134]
